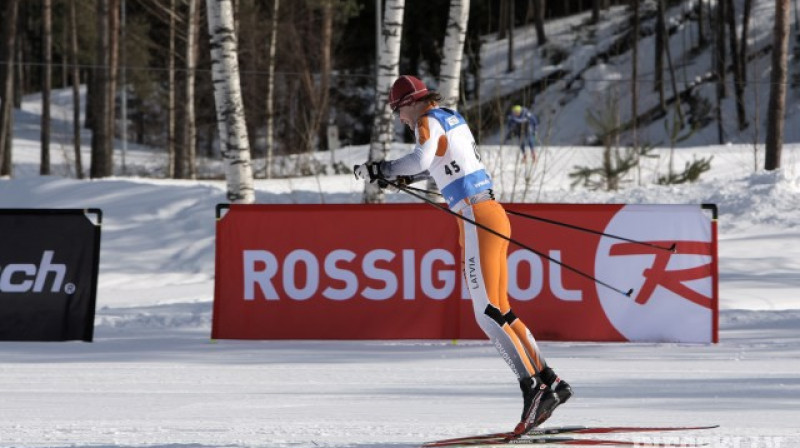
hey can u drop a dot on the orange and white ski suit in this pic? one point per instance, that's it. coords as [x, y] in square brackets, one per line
[446, 149]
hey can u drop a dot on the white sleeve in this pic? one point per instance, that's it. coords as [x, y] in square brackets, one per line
[428, 132]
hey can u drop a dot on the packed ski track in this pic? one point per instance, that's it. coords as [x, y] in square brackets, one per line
[153, 378]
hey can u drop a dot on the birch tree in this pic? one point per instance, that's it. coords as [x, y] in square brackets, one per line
[388, 71]
[186, 167]
[228, 98]
[777, 90]
[450, 71]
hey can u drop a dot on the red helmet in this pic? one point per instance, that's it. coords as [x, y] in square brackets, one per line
[406, 90]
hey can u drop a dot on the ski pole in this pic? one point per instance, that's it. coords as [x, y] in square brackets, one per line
[509, 239]
[671, 248]
[596, 232]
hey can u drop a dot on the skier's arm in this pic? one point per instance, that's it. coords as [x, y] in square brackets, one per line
[429, 132]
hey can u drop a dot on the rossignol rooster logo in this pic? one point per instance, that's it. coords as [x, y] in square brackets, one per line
[658, 275]
[673, 291]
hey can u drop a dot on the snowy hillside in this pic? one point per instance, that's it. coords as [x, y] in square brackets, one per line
[587, 75]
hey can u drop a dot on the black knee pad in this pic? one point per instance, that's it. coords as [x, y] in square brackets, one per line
[495, 315]
[510, 317]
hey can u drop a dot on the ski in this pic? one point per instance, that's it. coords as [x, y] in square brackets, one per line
[564, 430]
[545, 440]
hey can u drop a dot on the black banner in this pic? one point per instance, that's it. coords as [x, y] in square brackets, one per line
[48, 274]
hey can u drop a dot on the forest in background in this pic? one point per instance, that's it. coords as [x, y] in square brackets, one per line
[324, 65]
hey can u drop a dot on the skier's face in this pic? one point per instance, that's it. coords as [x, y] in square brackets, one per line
[409, 113]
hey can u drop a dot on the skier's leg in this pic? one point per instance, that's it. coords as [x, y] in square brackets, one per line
[482, 274]
[494, 266]
[527, 339]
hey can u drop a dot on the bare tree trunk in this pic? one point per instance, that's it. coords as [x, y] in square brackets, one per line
[172, 172]
[326, 65]
[47, 75]
[65, 54]
[777, 91]
[188, 167]
[661, 30]
[662, 42]
[113, 72]
[100, 93]
[596, 11]
[738, 66]
[22, 69]
[538, 21]
[388, 71]
[450, 71]
[7, 93]
[719, 26]
[748, 7]
[76, 93]
[635, 72]
[502, 19]
[701, 24]
[510, 18]
[228, 98]
[309, 121]
[271, 88]
[123, 107]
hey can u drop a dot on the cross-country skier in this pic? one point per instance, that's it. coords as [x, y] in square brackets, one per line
[522, 123]
[445, 149]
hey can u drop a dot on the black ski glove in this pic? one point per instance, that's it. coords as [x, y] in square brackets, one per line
[369, 171]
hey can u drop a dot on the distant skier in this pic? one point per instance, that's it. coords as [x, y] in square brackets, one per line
[521, 123]
[446, 150]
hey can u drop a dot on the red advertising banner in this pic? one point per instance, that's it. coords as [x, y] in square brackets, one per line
[393, 271]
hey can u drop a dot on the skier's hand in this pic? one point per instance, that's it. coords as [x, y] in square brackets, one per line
[398, 183]
[370, 171]
[402, 181]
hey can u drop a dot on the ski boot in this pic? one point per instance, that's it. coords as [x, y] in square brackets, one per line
[539, 401]
[559, 386]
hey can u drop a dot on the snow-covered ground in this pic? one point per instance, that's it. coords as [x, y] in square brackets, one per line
[153, 378]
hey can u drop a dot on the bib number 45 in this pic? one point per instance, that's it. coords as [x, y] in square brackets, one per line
[452, 168]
